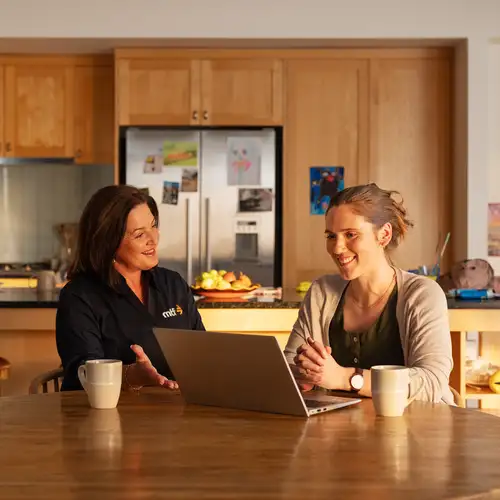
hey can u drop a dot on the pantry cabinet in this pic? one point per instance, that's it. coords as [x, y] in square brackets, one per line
[410, 148]
[168, 90]
[326, 125]
[383, 115]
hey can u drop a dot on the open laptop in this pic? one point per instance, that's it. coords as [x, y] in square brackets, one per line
[246, 372]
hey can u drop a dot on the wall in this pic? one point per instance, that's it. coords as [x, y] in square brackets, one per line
[494, 132]
[315, 22]
[34, 198]
[256, 19]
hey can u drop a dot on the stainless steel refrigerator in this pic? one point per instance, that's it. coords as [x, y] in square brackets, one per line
[214, 214]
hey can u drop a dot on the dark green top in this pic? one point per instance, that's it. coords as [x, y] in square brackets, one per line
[379, 345]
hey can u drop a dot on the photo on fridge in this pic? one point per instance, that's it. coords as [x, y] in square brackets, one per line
[255, 200]
[170, 193]
[189, 182]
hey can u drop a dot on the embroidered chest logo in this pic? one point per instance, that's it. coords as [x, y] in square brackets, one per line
[173, 311]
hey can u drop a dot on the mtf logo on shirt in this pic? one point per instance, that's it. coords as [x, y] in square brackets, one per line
[173, 311]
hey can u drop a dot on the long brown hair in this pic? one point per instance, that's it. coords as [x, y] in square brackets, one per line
[378, 207]
[101, 230]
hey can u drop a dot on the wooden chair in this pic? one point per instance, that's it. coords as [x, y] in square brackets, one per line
[459, 400]
[4, 372]
[40, 384]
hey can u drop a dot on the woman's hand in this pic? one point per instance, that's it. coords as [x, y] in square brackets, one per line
[317, 367]
[142, 372]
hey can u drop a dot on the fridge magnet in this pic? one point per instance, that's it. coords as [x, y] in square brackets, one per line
[170, 193]
[494, 229]
[255, 200]
[243, 161]
[324, 183]
[180, 154]
[153, 164]
[189, 182]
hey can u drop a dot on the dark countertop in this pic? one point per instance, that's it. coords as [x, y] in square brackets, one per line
[289, 299]
[24, 298]
[29, 299]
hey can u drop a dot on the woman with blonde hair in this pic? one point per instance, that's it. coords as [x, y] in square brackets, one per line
[371, 312]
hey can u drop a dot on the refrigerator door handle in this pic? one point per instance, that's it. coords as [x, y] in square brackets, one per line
[189, 245]
[208, 249]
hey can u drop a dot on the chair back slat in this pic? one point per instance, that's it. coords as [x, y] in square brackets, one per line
[40, 384]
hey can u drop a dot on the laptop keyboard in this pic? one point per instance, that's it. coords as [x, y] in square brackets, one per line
[313, 403]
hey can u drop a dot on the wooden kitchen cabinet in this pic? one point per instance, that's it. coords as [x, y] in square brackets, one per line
[241, 92]
[94, 114]
[326, 125]
[410, 148]
[38, 113]
[198, 90]
[383, 115]
[157, 91]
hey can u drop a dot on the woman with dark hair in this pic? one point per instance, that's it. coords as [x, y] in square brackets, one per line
[370, 313]
[117, 293]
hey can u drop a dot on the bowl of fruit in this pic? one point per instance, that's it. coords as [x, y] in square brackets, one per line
[222, 284]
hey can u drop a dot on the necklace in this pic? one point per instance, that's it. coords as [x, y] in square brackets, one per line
[379, 299]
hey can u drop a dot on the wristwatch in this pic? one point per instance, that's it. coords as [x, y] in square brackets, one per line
[356, 381]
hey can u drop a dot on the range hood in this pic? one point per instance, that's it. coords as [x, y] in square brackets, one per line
[6, 160]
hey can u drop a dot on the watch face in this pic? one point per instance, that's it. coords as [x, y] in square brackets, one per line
[357, 381]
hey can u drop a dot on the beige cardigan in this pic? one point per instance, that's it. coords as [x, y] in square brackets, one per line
[422, 315]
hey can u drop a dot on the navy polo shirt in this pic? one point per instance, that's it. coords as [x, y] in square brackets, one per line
[95, 321]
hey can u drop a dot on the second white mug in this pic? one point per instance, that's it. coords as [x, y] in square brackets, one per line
[390, 389]
[102, 381]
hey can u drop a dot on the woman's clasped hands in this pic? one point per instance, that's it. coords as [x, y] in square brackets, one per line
[314, 365]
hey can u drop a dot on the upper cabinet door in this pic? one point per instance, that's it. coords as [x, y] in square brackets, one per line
[158, 91]
[39, 110]
[94, 114]
[242, 92]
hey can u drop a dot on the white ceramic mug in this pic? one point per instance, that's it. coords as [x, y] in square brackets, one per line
[390, 388]
[102, 381]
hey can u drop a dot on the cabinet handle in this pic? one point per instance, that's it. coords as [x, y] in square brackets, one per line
[8, 147]
[205, 115]
[78, 153]
[195, 115]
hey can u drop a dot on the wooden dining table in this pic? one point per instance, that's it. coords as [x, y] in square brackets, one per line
[153, 445]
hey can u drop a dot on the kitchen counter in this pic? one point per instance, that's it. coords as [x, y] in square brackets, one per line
[27, 330]
[29, 298]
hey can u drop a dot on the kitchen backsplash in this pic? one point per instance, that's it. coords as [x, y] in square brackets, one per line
[35, 197]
